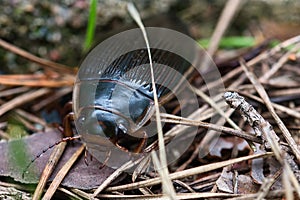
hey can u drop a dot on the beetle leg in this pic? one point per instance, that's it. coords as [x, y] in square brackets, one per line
[121, 147]
[108, 153]
[115, 141]
[86, 154]
[68, 131]
[67, 108]
[142, 143]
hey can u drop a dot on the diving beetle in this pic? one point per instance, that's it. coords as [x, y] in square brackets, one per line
[113, 93]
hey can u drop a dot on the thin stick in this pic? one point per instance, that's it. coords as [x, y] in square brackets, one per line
[186, 173]
[279, 107]
[268, 182]
[20, 100]
[167, 184]
[45, 63]
[230, 9]
[39, 80]
[61, 92]
[198, 195]
[251, 62]
[283, 92]
[13, 91]
[263, 94]
[53, 160]
[189, 122]
[31, 117]
[216, 107]
[114, 175]
[62, 173]
[264, 129]
[279, 64]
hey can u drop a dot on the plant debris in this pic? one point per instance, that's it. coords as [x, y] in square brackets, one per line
[250, 152]
[82, 175]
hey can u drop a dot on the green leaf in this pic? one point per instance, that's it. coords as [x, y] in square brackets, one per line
[233, 42]
[90, 31]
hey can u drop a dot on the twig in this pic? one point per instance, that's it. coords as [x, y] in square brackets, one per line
[62, 173]
[279, 107]
[222, 129]
[113, 176]
[264, 129]
[198, 195]
[279, 64]
[31, 117]
[216, 107]
[252, 116]
[167, 186]
[58, 94]
[53, 160]
[37, 80]
[230, 9]
[186, 173]
[20, 100]
[45, 63]
[265, 187]
[13, 91]
[292, 91]
[263, 94]
[252, 62]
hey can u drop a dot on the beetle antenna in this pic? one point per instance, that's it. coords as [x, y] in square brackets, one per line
[66, 139]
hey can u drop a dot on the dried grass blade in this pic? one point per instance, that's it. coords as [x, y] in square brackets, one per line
[230, 9]
[113, 176]
[58, 94]
[13, 91]
[279, 64]
[53, 160]
[279, 107]
[36, 80]
[188, 172]
[20, 100]
[166, 182]
[222, 129]
[45, 63]
[62, 173]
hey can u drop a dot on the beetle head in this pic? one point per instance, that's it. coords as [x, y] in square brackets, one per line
[100, 121]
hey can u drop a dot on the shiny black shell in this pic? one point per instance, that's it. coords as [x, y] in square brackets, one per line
[129, 75]
[113, 93]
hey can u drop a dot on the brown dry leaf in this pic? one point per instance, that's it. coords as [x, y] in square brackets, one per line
[225, 182]
[80, 176]
[246, 185]
[257, 169]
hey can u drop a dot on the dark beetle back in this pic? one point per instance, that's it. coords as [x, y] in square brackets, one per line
[113, 94]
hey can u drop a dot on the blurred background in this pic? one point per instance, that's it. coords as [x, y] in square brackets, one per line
[56, 30]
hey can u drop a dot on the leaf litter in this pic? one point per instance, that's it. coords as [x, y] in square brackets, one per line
[270, 107]
[82, 176]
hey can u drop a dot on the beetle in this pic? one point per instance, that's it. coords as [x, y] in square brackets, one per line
[113, 93]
